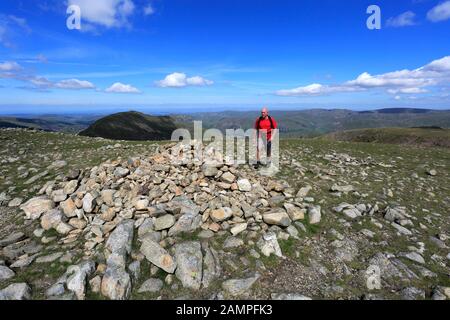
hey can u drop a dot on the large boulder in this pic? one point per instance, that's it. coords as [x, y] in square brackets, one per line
[211, 265]
[279, 218]
[189, 259]
[158, 255]
[51, 219]
[121, 238]
[35, 207]
[116, 283]
[76, 278]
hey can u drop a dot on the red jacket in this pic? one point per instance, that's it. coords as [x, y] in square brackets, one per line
[264, 124]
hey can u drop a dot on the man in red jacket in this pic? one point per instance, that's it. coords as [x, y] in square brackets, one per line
[264, 125]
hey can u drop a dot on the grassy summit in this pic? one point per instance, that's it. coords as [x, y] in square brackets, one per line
[133, 126]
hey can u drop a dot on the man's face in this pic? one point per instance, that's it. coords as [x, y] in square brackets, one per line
[264, 113]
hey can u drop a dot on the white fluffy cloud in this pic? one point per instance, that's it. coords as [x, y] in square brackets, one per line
[74, 84]
[148, 10]
[403, 20]
[40, 82]
[407, 90]
[179, 80]
[10, 66]
[403, 81]
[122, 88]
[105, 13]
[440, 12]
[12, 70]
[315, 89]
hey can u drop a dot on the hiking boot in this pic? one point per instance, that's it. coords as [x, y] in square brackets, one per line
[257, 165]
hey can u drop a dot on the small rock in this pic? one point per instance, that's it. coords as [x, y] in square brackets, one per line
[238, 228]
[209, 170]
[88, 203]
[70, 187]
[164, 222]
[15, 202]
[51, 219]
[232, 242]
[289, 296]
[236, 287]
[244, 185]
[303, 192]
[228, 177]
[414, 256]
[95, 284]
[78, 223]
[221, 214]
[135, 269]
[69, 208]
[121, 172]
[268, 244]
[401, 229]
[63, 228]
[294, 212]
[49, 258]
[151, 285]
[314, 214]
[347, 188]
[6, 273]
[12, 238]
[352, 213]
[16, 291]
[412, 293]
[142, 204]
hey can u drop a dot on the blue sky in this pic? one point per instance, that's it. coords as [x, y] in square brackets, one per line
[216, 53]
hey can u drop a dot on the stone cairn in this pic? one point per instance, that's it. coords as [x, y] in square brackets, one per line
[149, 202]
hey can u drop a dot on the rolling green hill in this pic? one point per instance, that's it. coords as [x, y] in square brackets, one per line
[59, 123]
[133, 126]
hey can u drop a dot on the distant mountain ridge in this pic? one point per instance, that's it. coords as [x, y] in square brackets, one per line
[132, 125]
[301, 123]
[399, 110]
[315, 122]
